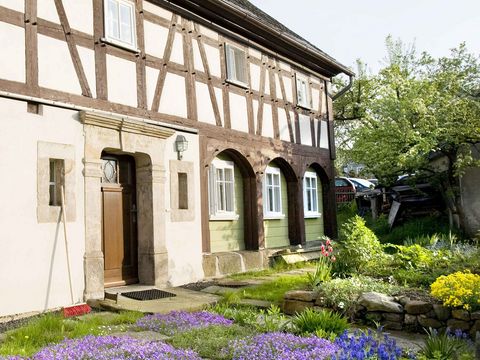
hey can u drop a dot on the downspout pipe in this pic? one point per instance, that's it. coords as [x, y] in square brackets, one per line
[344, 89]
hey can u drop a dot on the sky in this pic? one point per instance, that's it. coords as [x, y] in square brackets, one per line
[356, 29]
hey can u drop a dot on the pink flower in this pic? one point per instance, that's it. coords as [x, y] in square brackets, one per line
[322, 248]
[330, 249]
[328, 242]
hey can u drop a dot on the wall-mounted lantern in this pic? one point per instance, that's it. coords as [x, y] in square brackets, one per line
[181, 145]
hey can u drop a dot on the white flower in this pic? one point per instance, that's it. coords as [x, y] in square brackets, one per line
[341, 305]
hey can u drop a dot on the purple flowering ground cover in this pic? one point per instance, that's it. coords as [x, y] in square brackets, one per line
[280, 346]
[180, 321]
[111, 348]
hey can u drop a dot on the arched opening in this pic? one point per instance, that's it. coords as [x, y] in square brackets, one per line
[232, 203]
[280, 205]
[316, 206]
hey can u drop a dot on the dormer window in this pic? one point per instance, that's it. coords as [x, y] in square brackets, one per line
[303, 92]
[120, 23]
[236, 65]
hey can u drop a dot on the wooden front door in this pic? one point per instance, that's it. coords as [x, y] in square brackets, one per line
[119, 220]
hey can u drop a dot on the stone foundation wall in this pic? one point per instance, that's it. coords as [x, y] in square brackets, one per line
[394, 313]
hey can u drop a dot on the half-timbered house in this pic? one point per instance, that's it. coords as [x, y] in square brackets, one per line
[184, 139]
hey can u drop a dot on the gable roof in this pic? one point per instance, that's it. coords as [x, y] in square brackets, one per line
[244, 18]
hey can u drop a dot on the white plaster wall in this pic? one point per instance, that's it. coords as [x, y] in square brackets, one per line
[155, 39]
[267, 125]
[157, 10]
[177, 49]
[197, 58]
[122, 81]
[278, 89]
[174, 99]
[12, 56]
[255, 77]
[285, 66]
[254, 53]
[184, 239]
[46, 10]
[208, 33]
[79, 15]
[87, 57]
[316, 99]
[151, 75]
[213, 58]
[323, 110]
[57, 75]
[305, 131]
[238, 112]
[324, 134]
[287, 82]
[33, 270]
[283, 125]
[204, 104]
[13, 4]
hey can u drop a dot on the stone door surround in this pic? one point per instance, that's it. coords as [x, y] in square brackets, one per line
[146, 143]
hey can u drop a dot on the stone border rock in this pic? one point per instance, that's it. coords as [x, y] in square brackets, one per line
[394, 313]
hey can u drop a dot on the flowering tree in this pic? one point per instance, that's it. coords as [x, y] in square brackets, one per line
[415, 107]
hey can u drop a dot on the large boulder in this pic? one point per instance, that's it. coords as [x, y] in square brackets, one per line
[374, 301]
[300, 295]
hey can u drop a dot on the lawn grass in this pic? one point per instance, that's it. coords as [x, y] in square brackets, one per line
[53, 328]
[278, 267]
[274, 290]
[208, 342]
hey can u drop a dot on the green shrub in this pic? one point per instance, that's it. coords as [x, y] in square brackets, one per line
[324, 322]
[341, 294]
[359, 246]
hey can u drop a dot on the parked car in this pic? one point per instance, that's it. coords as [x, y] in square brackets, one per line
[344, 190]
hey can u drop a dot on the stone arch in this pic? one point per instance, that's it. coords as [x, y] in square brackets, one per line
[249, 214]
[294, 202]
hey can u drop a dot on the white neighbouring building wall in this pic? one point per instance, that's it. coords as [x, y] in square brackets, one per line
[33, 268]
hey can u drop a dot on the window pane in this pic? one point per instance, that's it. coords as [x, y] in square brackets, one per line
[240, 65]
[220, 196]
[276, 179]
[270, 206]
[113, 29]
[309, 200]
[220, 175]
[229, 196]
[230, 63]
[228, 174]
[269, 180]
[277, 199]
[126, 23]
[314, 201]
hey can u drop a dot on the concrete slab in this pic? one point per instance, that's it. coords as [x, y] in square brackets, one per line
[187, 300]
[218, 290]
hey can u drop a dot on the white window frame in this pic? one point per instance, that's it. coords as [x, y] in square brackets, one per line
[269, 213]
[231, 65]
[304, 98]
[310, 213]
[215, 212]
[110, 38]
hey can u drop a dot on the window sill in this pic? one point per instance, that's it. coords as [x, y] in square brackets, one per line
[304, 107]
[121, 45]
[274, 217]
[224, 217]
[313, 216]
[238, 83]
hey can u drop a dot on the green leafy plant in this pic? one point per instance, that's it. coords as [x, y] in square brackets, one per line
[445, 346]
[341, 294]
[359, 246]
[323, 270]
[323, 322]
